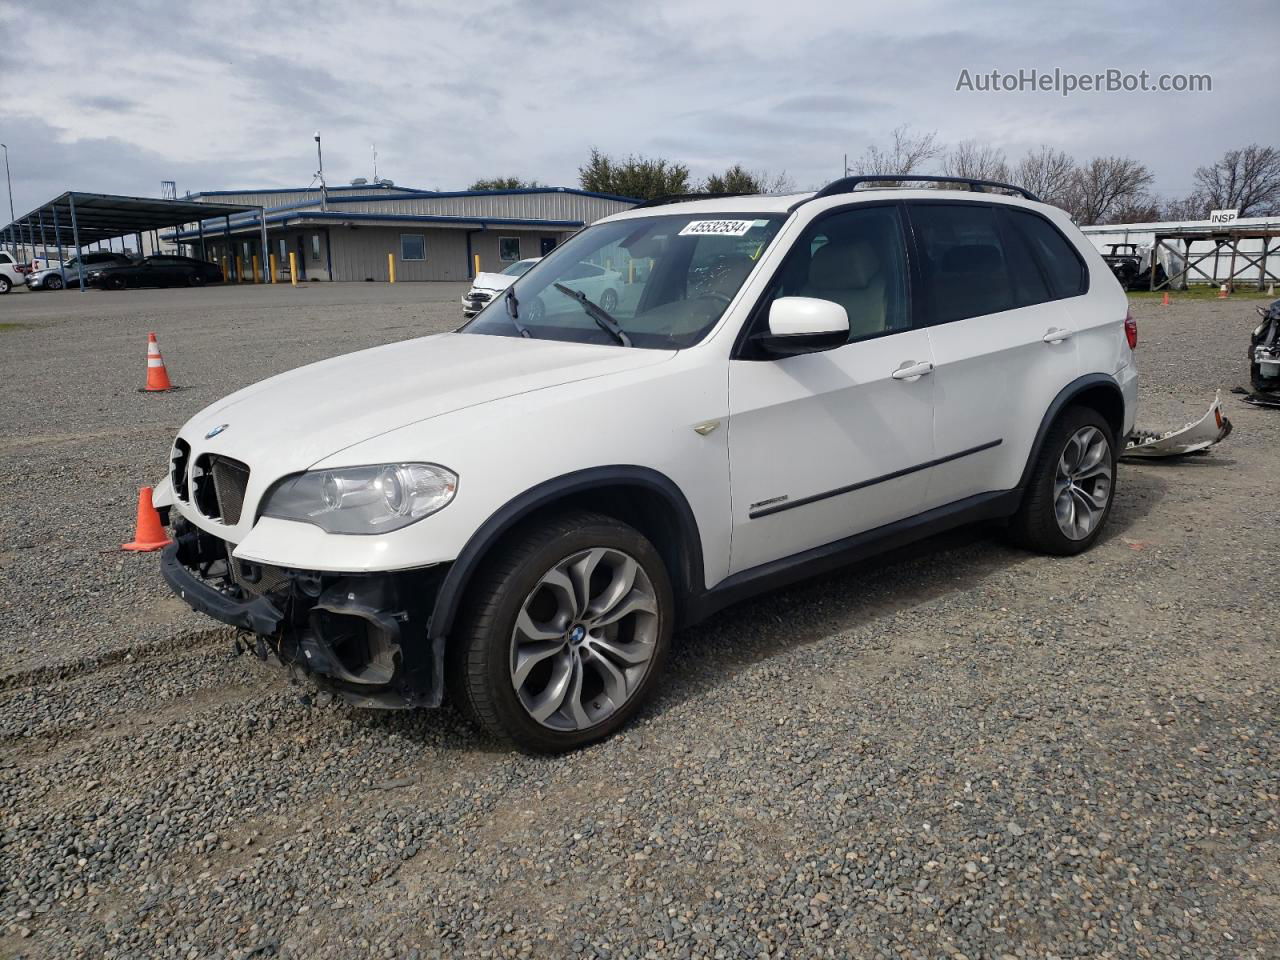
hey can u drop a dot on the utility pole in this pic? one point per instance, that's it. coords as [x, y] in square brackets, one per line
[9, 180]
[324, 191]
[374, 148]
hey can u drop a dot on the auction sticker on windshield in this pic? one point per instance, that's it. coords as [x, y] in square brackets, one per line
[717, 228]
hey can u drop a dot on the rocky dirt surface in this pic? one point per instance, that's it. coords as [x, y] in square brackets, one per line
[960, 750]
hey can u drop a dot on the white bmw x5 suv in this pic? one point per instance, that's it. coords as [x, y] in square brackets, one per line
[517, 514]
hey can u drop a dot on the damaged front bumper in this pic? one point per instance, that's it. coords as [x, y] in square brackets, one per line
[1193, 437]
[363, 636]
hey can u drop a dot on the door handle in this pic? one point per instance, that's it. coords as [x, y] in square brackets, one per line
[912, 371]
[1057, 335]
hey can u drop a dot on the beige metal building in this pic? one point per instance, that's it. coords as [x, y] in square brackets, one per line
[347, 233]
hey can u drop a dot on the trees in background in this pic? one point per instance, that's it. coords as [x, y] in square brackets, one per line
[905, 153]
[1103, 187]
[978, 160]
[504, 183]
[1100, 190]
[1245, 179]
[738, 179]
[1047, 173]
[641, 177]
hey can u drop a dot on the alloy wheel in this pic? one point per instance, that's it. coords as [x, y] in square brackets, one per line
[1082, 483]
[584, 639]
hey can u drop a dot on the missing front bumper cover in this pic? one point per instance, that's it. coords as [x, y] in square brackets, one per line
[364, 636]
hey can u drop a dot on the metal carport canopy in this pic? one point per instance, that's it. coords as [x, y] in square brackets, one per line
[104, 216]
[80, 219]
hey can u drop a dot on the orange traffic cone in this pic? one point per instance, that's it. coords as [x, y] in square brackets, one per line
[157, 375]
[1165, 301]
[1222, 292]
[150, 532]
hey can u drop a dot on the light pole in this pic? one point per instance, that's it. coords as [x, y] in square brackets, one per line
[9, 180]
[324, 191]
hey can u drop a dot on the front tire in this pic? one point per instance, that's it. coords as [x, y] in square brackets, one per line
[564, 633]
[54, 283]
[1072, 487]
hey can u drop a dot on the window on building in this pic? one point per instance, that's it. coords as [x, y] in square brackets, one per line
[509, 248]
[315, 247]
[962, 258]
[413, 246]
[284, 254]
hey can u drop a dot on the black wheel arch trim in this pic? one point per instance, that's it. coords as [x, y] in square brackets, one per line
[687, 581]
[1065, 397]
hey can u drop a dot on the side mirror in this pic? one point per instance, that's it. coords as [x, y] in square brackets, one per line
[803, 325]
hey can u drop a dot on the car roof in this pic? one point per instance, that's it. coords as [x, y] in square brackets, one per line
[783, 203]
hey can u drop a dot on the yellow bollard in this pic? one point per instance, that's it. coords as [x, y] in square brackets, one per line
[226, 277]
[391, 267]
[239, 269]
[271, 267]
[631, 271]
[477, 259]
[293, 268]
[256, 277]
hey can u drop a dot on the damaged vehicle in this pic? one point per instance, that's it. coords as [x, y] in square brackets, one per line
[1264, 358]
[516, 515]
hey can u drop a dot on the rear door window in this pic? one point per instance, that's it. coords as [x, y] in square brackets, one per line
[1062, 264]
[962, 260]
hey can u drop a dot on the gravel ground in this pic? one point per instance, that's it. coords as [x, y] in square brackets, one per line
[959, 751]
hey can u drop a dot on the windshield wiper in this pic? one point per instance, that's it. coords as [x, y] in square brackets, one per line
[603, 318]
[513, 311]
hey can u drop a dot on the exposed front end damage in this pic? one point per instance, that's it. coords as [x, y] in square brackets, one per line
[1194, 437]
[1264, 359]
[363, 636]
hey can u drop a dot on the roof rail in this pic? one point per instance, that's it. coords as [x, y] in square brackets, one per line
[681, 197]
[849, 184]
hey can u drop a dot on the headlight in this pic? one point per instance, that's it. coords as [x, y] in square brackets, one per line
[372, 499]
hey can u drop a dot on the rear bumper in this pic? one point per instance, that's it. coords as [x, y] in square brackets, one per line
[364, 636]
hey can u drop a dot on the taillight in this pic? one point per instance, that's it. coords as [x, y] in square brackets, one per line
[1131, 331]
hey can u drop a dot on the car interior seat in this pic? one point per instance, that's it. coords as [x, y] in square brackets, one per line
[849, 273]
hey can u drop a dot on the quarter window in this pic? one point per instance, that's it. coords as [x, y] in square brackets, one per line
[856, 258]
[1062, 264]
[413, 246]
[962, 260]
[509, 248]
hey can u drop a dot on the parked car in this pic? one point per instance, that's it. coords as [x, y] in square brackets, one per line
[599, 284]
[161, 270]
[11, 272]
[486, 286]
[516, 515]
[57, 277]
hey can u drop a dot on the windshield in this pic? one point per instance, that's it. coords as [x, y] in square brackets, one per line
[519, 268]
[659, 282]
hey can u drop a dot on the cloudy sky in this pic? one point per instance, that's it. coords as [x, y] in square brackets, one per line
[228, 94]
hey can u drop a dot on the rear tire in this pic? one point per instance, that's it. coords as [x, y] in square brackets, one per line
[563, 635]
[5, 284]
[1072, 486]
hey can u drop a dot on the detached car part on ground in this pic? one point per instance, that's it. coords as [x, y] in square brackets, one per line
[1194, 437]
[518, 514]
